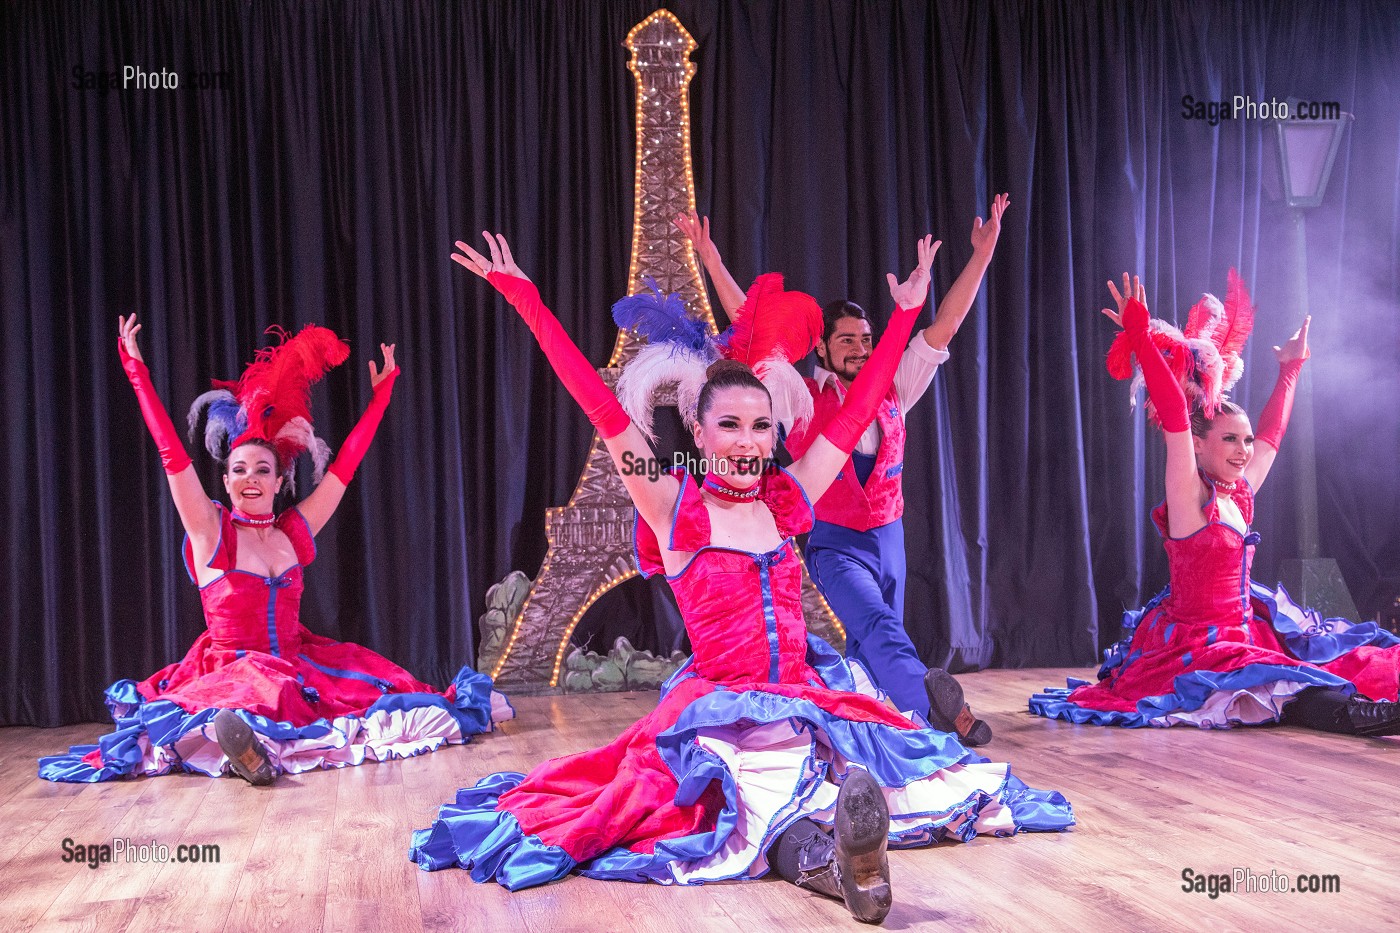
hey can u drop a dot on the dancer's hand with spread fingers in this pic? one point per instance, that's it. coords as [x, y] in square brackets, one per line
[127, 329]
[984, 235]
[697, 229]
[1296, 348]
[377, 375]
[1132, 289]
[913, 291]
[500, 259]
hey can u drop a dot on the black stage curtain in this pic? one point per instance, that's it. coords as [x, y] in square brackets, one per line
[338, 149]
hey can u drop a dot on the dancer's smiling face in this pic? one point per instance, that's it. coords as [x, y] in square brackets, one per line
[1226, 447]
[737, 426]
[845, 351]
[251, 478]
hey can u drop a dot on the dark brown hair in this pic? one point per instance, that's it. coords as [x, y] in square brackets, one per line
[726, 374]
[835, 311]
[257, 442]
[1200, 424]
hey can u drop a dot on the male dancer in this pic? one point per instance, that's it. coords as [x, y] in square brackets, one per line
[855, 552]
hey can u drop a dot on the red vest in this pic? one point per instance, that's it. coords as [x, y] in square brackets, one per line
[846, 502]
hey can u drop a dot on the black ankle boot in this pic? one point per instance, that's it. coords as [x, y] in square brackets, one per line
[1373, 717]
[853, 866]
[246, 754]
[947, 712]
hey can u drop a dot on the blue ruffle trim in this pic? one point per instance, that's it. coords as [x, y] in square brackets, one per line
[1192, 690]
[1312, 638]
[1304, 633]
[472, 834]
[164, 723]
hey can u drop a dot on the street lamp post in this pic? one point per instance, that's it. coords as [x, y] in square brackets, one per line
[1307, 150]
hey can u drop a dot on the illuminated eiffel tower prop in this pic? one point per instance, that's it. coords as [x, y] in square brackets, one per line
[590, 539]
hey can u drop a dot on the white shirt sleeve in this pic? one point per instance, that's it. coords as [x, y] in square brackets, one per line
[915, 372]
[911, 380]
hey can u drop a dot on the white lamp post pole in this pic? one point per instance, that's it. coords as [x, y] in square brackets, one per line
[1307, 150]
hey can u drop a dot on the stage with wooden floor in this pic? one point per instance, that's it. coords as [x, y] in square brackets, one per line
[327, 850]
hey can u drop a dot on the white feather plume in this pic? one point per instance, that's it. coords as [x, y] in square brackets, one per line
[654, 367]
[792, 402]
[300, 431]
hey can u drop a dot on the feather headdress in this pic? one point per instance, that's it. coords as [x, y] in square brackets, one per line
[1206, 357]
[271, 401]
[771, 330]
[678, 351]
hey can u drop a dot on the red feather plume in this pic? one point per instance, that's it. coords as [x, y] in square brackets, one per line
[772, 321]
[276, 386]
[1239, 317]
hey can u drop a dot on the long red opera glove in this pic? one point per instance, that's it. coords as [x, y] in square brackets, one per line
[1162, 386]
[172, 451]
[872, 383]
[1273, 421]
[356, 444]
[578, 375]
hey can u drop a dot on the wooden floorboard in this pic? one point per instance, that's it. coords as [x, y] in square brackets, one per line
[327, 850]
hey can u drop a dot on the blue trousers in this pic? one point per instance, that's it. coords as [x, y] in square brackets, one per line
[861, 574]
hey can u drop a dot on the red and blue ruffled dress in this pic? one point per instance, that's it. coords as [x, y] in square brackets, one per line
[1215, 649]
[313, 702]
[756, 731]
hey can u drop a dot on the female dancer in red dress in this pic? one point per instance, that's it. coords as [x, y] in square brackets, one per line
[762, 739]
[257, 693]
[1214, 649]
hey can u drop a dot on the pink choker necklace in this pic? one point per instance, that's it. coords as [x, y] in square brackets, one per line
[257, 521]
[1224, 486]
[722, 490]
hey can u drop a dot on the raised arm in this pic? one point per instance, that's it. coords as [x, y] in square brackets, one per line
[731, 296]
[197, 513]
[654, 499]
[318, 507]
[1273, 421]
[953, 309]
[817, 468]
[1186, 494]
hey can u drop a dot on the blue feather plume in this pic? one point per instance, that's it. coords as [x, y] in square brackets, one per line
[660, 319]
[225, 419]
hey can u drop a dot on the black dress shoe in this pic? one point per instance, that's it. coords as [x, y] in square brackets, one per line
[853, 867]
[947, 712]
[1373, 717]
[246, 754]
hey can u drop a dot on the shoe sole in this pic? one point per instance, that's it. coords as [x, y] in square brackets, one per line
[862, 825]
[244, 752]
[946, 702]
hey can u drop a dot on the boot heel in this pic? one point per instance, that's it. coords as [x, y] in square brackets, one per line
[862, 826]
[245, 753]
[948, 710]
